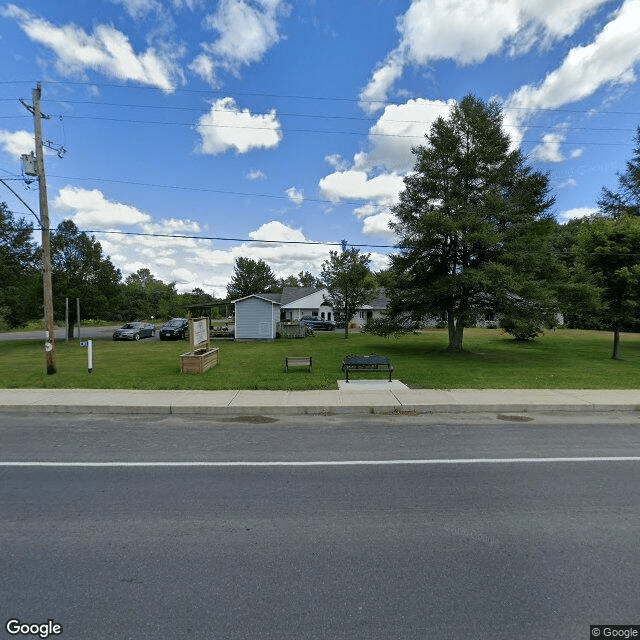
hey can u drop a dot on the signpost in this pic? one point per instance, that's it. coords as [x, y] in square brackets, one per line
[89, 345]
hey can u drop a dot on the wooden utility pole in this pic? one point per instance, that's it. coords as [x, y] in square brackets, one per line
[50, 341]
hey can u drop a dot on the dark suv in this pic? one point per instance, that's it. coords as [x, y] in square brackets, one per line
[175, 329]
[314, 322]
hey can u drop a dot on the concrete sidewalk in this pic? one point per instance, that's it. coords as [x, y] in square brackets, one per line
[359, 397]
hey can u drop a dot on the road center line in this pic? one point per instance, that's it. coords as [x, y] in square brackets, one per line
[320, 463]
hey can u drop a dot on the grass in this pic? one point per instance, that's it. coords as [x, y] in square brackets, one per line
[564, 359]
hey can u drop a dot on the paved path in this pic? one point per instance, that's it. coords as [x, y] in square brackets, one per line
[360, 397]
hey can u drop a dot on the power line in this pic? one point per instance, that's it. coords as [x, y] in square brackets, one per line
[206, 190]
[226, 93]
[295, 115]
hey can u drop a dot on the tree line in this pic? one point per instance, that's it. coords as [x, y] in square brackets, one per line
[80, 269]
[477, 239]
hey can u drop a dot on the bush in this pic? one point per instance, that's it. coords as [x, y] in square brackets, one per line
[522, 329]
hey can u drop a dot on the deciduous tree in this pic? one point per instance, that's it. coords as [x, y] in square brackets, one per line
[81, 270]
[251, 276]
[349, 282]
[21, 287]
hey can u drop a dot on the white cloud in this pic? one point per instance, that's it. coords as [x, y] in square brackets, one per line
[15, 143]
[91, 210]
[204, 66]
[139, 8]
[274, 231]
[376, 174]
[256, 174]
[106, 50]
[580, 212]
[374, 95]
[378, 225]
[469, 32]
[296, 196]
[353, 184]
[247, 29]
[189, 4]
[336, 161]
[227, 127]
[188, 261]
[568, 183]
[609, 59]
[398, 129]
[549, 149]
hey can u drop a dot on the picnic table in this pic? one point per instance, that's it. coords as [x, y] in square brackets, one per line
[372, 363]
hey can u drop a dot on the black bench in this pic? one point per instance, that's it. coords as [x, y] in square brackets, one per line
[372, 363]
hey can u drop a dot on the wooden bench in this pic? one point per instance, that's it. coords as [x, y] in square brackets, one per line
[297, 361]
[371, 364]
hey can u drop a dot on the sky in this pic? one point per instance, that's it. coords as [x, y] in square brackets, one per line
[184, 134]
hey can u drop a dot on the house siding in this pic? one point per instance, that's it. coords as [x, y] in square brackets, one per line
[256, 319]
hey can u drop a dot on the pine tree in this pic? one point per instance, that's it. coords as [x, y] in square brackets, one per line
[625, 201]
[474, 223]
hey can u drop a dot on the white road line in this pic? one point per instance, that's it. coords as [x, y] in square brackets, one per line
[321, 463]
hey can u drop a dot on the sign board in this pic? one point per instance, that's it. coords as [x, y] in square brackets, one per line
[199, 334]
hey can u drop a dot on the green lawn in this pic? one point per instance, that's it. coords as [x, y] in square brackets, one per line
[560, 359]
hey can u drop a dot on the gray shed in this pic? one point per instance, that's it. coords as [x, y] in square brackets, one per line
[257, 316]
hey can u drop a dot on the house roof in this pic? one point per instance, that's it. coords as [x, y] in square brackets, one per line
[274, 298]
[291, 294]
[379, 302]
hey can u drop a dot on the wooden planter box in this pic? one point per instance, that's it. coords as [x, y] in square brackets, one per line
[199, 361]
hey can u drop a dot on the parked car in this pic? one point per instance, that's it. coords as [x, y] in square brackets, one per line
[175, 329]
[135, 331]
[314, 322]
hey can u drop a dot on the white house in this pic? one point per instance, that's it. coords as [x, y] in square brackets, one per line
[304, 301]
[257, 315]
[372, 310]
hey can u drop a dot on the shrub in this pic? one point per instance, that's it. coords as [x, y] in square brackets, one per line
[522, 329]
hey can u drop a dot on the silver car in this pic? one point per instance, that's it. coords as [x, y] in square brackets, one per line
[135, 331]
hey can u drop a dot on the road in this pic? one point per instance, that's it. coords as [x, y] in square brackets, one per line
[491, 532]
[86, 333]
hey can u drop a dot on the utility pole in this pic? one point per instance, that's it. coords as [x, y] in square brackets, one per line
[50, 343]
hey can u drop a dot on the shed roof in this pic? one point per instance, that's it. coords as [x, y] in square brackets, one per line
[274, 298]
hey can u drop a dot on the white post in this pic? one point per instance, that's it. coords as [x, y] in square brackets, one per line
[89, 345]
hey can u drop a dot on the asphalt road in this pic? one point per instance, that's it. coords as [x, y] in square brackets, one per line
[86, 333]
[444, 549]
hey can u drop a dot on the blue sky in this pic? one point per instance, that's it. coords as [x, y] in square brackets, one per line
[233, 122]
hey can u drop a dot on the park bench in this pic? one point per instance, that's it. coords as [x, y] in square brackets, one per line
[371, 364]
[297, 361]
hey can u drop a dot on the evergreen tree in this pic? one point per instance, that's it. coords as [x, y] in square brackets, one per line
[608, 251]
[625, 201]
[474, 227]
